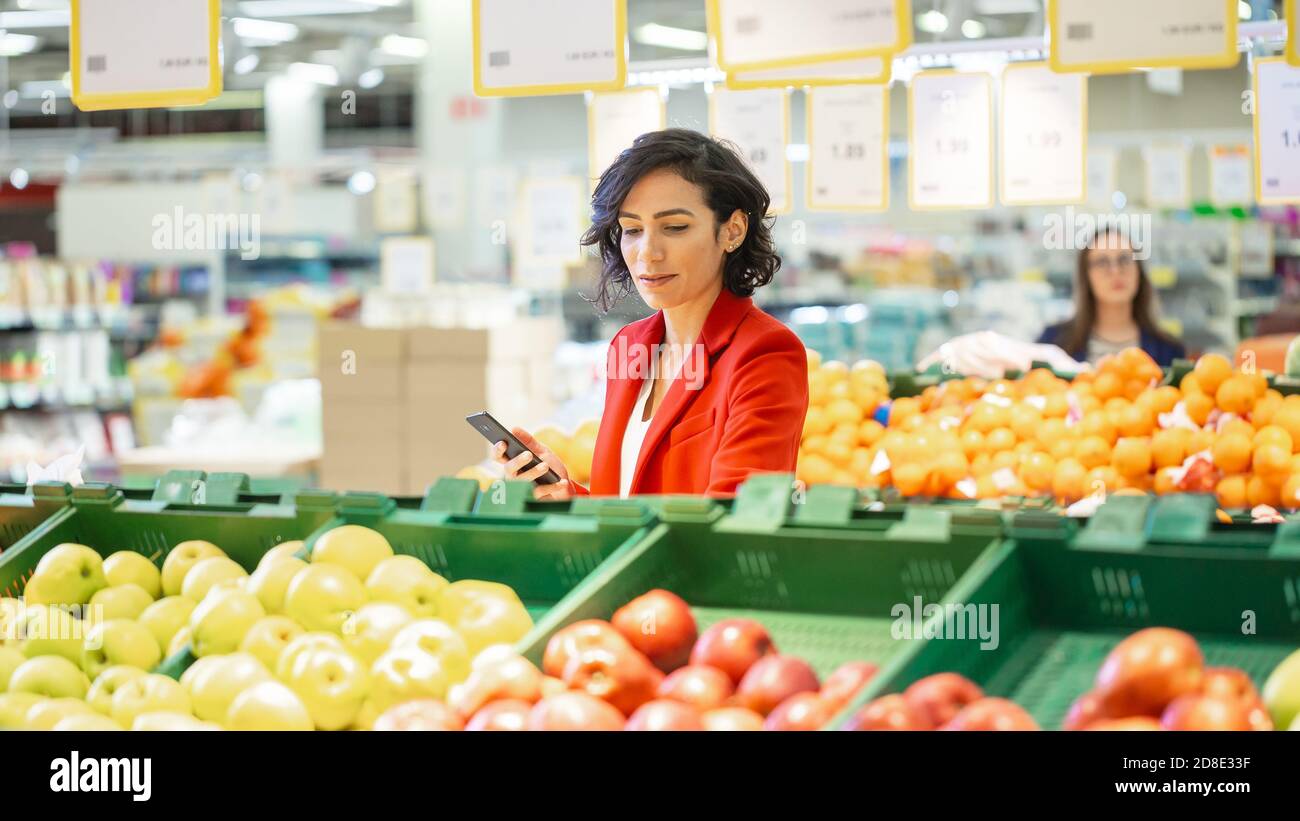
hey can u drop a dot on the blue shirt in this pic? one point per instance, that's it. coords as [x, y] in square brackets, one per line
[1164, 352]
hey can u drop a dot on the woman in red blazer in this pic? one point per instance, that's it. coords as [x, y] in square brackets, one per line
[709, 389]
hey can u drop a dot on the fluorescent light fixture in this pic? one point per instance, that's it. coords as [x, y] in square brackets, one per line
[247, 63]
[973, 29]
[371, 78]
[653, 34]
[932, 21]
[35, 89]
[316, 73]
[1243, 10]
[992, 7]
[303, 8]
[268, 31]
[35, 19]
[42, 4]
[12, 45]
[19, 178]
[412, 47]
[362, 182]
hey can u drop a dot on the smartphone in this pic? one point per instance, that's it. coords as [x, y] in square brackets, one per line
[494, 432]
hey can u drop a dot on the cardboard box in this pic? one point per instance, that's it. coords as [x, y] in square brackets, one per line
[379, 344]
[524, 338]
[368, 477]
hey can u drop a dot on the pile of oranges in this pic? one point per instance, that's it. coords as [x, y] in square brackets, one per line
[1114, 429]
[839, 434]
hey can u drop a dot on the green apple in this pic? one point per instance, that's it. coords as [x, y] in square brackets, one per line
[100, 696]
[267, 639]
[284, 550]
[14, 707]
[366, 716]
[1281, 691]
[11, 621]
[215, 686]
[268, 706]
[355, 548]
[86, 722]
[10, 658]
[323, 597]
[407, 581]
[129, 567]
[372, 628]
[165, 617]
[207, 572]
[125, 601]
[220, 622]
[405, 674]
[438, 639]
[169, 721]
[149, 693]
[484, 613]
[68, 574]
[271, 579]
[50, 676]
[301, 644]
[331, 683]
[179, 561]
[43, 715]
[179, 641]
[119, 641]
[50, 630]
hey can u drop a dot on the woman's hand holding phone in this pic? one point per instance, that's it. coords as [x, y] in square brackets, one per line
[558, 490]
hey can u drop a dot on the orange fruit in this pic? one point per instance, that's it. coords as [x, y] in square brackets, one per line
[815, 444]
[1115, 408]
[1231, 491]
[1199, 441]
[986, 416]
[1138, 364]
[870, 432]
[845, 432]
[845, 478]
[1000, 439]
[1169, 447]
[1025, 448]
[972, 443]
[1107, 386]
[845, 412]
[1134, 388]
[1038, 471]
[840, 390]
[1274, 435]
[951, 467]
[902, 408]
[1211, 371]
[1053, 431]
[816, 422]
[1165, 397]
[1096, 423]
[1261, 384]
[1236, 395]
[815, 469]
[1136, 420]
[1287, 417]
[981, 464]
[1103, 479]
[1055, 406]
[1004, 459]
[1067, 481]
[1132, 456]
[860, 464]
[1199, 407]
[839, 453]
[1062, 448]
[1025, 421]
[1290, 496]
[1092, 452]
[909, 479]
[867, 397]
[1238, 426]
[1271, 461]
[1190, 384]
[1261, 492]
[1232, 453]
[1262, 414]
[1088, 404]
[1164, 481]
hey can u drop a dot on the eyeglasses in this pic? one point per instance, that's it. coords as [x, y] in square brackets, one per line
[1118, 262]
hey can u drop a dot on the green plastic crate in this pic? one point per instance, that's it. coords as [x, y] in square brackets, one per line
[822, 584]
[1065, 602]
[23, 509]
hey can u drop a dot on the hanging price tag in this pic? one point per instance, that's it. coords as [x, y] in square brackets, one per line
[1102, 165]
[1232, 176]
[866, 70]
[1293, 32]
[532, 47]
[615, 120]
[759, 123]
[848, 148]
[406, 265]
[553, 219]
[144, 53]
[950, 141]
[753, 34]
[1168, 175]
[1114, 36]
[1277, 132]
[444, 197]
[1044, 136]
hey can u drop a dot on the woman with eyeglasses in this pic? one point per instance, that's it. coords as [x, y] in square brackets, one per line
[1114, 306]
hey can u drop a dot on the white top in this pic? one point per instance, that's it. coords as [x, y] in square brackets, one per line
[634, 433]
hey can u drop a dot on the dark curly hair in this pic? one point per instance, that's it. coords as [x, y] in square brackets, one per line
[728, 184]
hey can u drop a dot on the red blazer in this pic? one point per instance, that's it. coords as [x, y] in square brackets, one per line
[740, 412]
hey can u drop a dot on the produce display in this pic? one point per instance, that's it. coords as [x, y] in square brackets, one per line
[334, 643]
[1114, 429]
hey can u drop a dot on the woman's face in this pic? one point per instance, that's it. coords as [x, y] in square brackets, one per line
[671, 244]
[1112, 271]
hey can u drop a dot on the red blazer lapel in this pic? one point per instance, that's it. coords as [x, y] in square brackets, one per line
[627, 366]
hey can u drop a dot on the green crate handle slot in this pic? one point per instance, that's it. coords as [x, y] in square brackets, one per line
[451, 495]
[505, 496]
[827, 505]
[224, 488]
[1119, 524]
[1183, 518]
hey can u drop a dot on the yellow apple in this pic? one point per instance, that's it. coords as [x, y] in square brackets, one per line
[207, 572]
[10, 658]
[11, 620]
[284, 550]
[149, 693]
[331, 683]
[323, 597]
[125, 601]
[14, 707]
[366, 716]
[301, 644]
[119, 641]
[267, 639]
[271, 579]
[355, 548]
[100, 696]
[50, 630]
[219, 622]
[405, 674]
[407, 581]
[217, 683]
[372, 628]
[129, 567]
[168, 721]
[438, 639]
[484, 613]
[179, 641]
[1281, 692]
[68, 574]
[179, 561]
[86, 722]
[166, 617]
[45, 714]
[268, 706]
[50, 676]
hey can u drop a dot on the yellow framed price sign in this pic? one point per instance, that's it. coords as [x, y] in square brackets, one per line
[1277, 132]
[757, 34]
[759, 123]
[530, 48]
[949, 141]
[615, 119]
[1117, 36]
[1293, 32]
[848, 148]
[860, 71]
[144, 53]
[1043, 136]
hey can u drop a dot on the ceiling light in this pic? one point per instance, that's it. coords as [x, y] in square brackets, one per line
[12, 45]
[362, 182]
[316, 73]
[371, 78]
[19, 178]
[399, 46]
[247, 63]
[973, 29]
[35, 19]
[932, 21]
[303, 8]
[268, 31]
[653, 34]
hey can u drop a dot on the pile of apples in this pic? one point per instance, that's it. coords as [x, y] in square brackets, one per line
[331, 644]
[1156, 679]
[943, 701]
